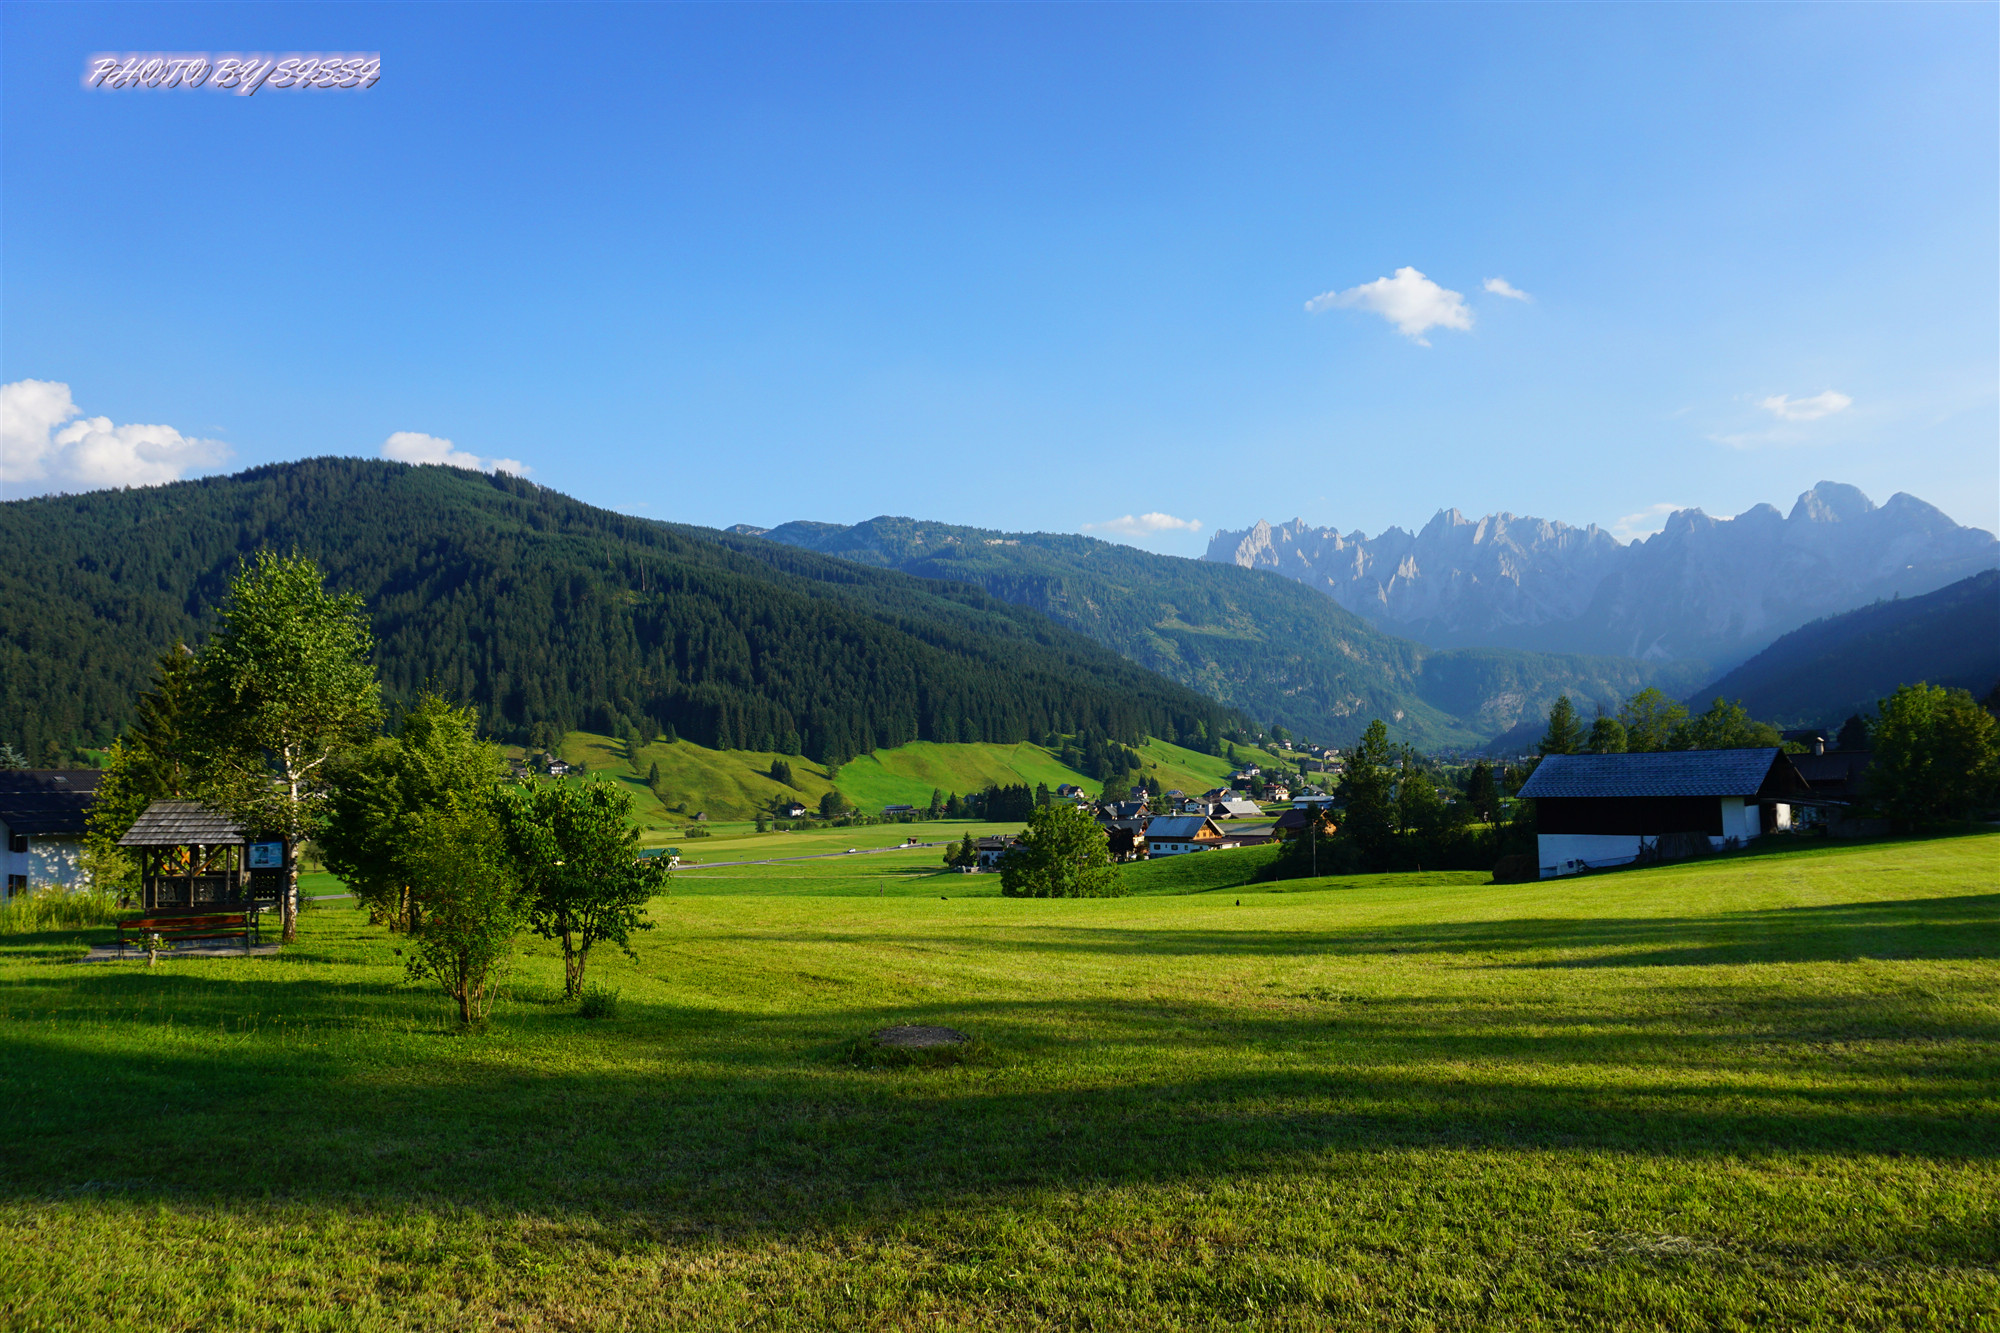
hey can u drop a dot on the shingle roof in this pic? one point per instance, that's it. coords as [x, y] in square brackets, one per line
[179, 823]
[47, 800]
[1662, 773]
[1175, 826]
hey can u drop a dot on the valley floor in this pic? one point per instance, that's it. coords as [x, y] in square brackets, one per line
[1751, 1092]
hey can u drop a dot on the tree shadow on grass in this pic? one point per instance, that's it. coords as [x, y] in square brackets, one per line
[704, 1118]
[1957, 927]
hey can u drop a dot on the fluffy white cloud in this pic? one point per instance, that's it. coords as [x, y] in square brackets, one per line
[1410, 301]
[1644, 523]
[1502, 287]
[42, 448]
[1787, 408]
[1145, 525]
[411, 446]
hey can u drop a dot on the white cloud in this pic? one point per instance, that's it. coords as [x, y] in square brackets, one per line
[1502, 287]
[1145, 525]
[1644, 523]
[1786, 408]
[43, 449]
[410, 446]
[1410, 301]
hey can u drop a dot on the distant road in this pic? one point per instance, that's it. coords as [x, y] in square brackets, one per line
[816, 856]
[717, 865]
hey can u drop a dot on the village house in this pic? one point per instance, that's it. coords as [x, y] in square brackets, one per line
[791, 810]
[891, 811]
[43, 814]
[1243, 808]
[1177, 835]
[1069, 789]
[988, 851]
[1595, 810]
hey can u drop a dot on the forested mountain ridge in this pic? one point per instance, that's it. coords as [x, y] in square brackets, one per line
[1822, 673]
[1250, 638]
[547, 615]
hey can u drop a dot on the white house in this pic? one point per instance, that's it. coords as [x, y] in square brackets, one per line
[1594, 810]
[1175, 835]
[42, 817]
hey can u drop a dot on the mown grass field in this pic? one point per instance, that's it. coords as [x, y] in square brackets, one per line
[1756, 1092]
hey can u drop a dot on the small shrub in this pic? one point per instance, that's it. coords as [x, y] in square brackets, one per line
[597, 1002]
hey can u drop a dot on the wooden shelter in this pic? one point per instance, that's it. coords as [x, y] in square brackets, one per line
[191, 856]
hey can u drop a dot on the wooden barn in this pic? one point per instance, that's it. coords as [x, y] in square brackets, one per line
[1595, 810]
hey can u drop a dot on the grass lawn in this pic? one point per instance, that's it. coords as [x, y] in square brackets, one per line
[1754, 1092]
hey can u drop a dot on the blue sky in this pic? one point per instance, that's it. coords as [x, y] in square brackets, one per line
[1035, 267]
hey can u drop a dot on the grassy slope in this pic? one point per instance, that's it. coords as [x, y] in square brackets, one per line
[735, 784]
[1759, 1091]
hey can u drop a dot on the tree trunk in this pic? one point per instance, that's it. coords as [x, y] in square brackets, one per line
[573, 964]
[291, 898]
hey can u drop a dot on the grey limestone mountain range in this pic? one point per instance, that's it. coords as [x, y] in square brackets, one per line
[1702, 588]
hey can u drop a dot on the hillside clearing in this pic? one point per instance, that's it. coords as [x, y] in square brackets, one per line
[1762, 1090]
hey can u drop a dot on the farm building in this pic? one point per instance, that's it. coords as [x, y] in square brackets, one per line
[42, 816]
[1594, 810]
[1174, 835]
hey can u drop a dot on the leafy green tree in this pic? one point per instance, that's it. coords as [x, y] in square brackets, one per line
[832, 805]
[1063, 854]
[1853, 734]
[937, 802]
[1725, 726]
[381, 792]
[1937, 756]
[954, 806]
[11, 758]
[763, 822]
[1649, 718]
[653, 775]
[470, 904]
[965, 854]
[1565, 733]
[290, 688]
[577, 857]
[1607, 736]
[781, 772]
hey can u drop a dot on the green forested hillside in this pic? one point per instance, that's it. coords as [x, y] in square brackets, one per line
[1824, 672]
[549, 615]
[1270, 646]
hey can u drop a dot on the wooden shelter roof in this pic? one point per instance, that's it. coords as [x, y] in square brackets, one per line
[181, 824]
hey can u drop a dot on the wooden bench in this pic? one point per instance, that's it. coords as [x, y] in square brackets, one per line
[176, 927]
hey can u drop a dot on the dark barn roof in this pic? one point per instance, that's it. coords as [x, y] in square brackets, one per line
[181, 824]
[47, 800]
[1663, 773]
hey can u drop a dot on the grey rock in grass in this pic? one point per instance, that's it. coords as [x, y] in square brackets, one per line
[917, 1036]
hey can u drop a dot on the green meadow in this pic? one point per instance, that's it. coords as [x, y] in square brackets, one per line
[1754, 1092]
[734, 785]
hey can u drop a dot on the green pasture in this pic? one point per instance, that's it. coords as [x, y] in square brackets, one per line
[733, 785]
[1750, 1092]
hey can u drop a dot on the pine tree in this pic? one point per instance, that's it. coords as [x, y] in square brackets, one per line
[1565, 733]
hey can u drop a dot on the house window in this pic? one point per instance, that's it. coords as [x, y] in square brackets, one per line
[17, 843]
[16, 884]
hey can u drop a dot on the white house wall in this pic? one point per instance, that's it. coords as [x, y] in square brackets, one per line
[1558, 852]
[48, 861]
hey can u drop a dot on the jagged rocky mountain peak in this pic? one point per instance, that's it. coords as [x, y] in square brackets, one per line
[1832, 502]
[1702, 587]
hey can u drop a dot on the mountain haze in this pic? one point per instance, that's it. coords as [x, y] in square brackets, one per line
[1833, 668]
[1253, 640]
[1702, 588]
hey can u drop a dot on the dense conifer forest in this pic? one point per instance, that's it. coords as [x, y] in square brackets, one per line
[546, 615]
